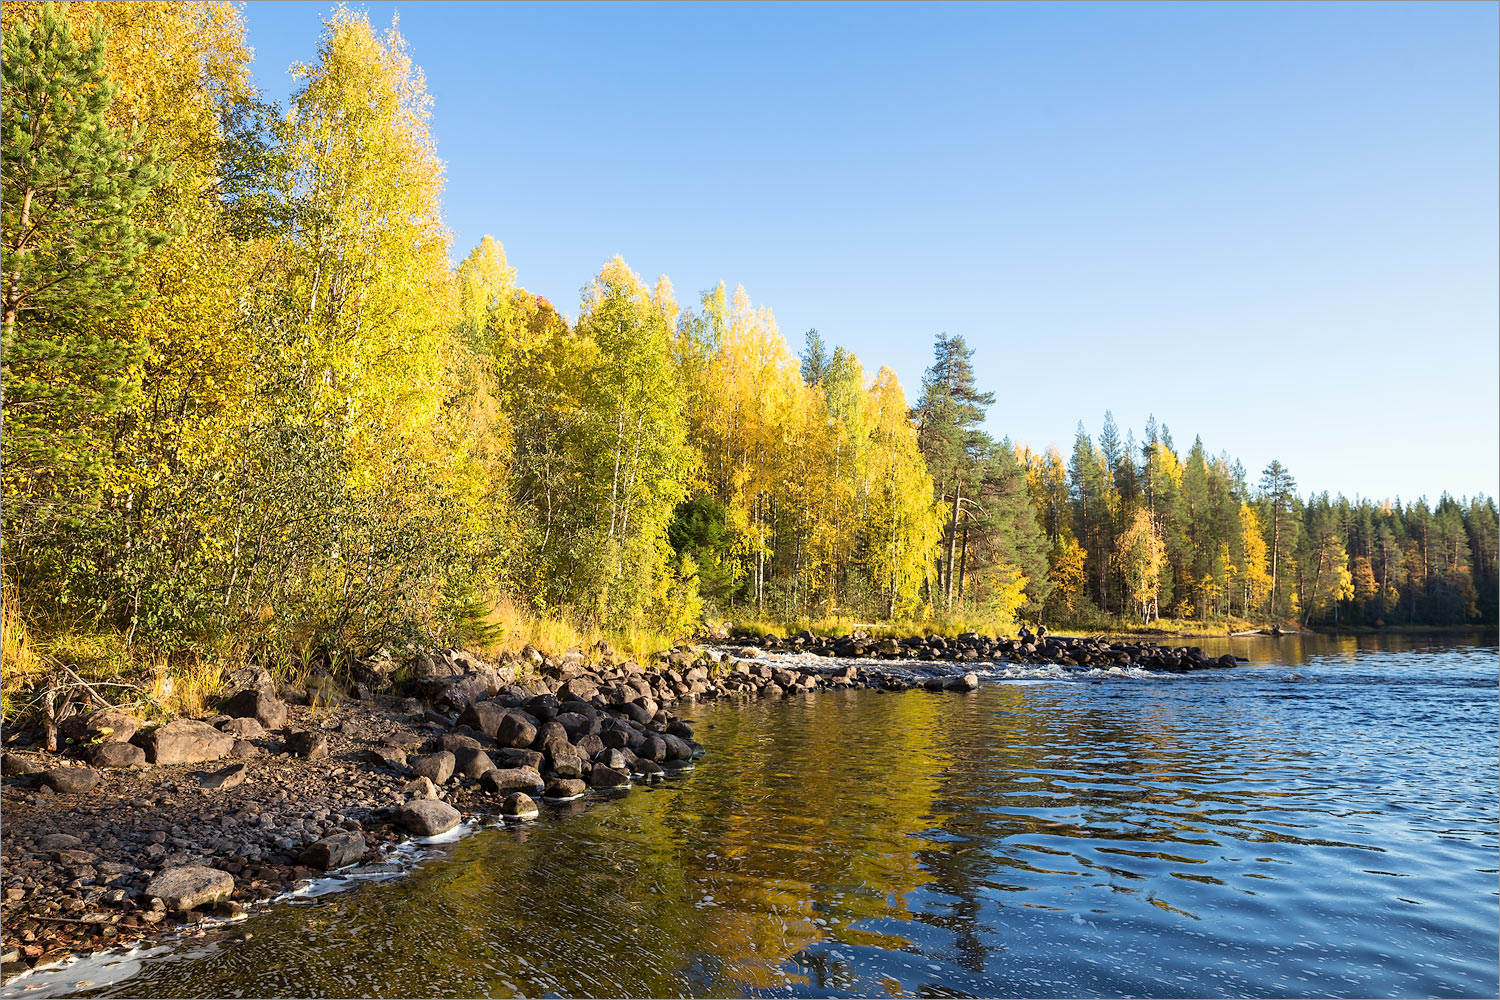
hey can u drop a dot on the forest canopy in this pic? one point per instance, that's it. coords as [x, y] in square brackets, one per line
[250, 406]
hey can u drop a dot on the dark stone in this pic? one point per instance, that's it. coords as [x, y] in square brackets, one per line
[245, 729]
[552, 739]
[566, 765]
[57, 842]
[116, 755]
[436, 767]
[107, 725]
[968, 682]
[680, 729]
[577, 726]
[513, 757]
[344, 848]
[308, 743]
[511, 779]
[225, 778]
[70, 779]
[472, 763]
[677, 747]
[388, 757]
[653, 748]
[543, 706]
[607, 777]
[589, 745]
[451, 742]
[484, 716]
[514, 730]
[616, 738]
[427, 817]
[579, 688]
[565, 788]
[266, 709]
[636, 712]
[184, 741]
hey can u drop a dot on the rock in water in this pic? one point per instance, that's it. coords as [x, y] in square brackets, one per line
[70, 779]
[511, 779]
[185, 741]
[188, 887]
[603, 776]
[968, 682]
[341, 849]
[565, 788]
[427, 817]
[518, 804]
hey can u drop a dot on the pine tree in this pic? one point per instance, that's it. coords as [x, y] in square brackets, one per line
[1277, 485]
[72, 246]
[948, 415]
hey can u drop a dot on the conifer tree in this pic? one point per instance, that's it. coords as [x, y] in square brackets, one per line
[948, 416]
[1278, 485]
[72, 247]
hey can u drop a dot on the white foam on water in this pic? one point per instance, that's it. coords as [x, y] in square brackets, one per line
[81, 972]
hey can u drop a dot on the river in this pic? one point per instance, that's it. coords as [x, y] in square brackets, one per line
[1321, 821]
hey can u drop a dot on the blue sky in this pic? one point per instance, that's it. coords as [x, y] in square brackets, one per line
[1276, 226]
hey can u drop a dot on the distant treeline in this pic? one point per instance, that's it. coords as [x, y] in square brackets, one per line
[250, 405]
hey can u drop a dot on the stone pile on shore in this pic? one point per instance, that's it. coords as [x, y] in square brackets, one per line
[972, 647]
[131, 831]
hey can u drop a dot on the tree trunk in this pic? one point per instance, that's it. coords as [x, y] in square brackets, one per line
[958, 489]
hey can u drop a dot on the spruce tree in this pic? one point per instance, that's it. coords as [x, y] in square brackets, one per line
[71, 250]
[814, 358]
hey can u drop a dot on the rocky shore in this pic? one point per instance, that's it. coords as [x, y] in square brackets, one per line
[131, 832]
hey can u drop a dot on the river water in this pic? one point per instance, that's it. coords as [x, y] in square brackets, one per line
[1321, 821]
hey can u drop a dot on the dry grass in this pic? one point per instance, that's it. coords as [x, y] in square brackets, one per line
[556, 633]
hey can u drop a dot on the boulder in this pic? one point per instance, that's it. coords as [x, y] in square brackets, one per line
[436, 767]
[420, 788]
[451, 742]
[107, 725]
[552, 739]
[250, 679]
[484, 716]
[57, 842]
[513, 757]
[968, 682]
[575, 725]
[343, 848]
[472, 763]
[511, 779]
[389, 757]
[427, 817]
[654, 748]
[184, 741]
[566, 765]
[245, 729]
[519, 805]
[514, 730]
[578, 689]
[116, 755]
[267, 709]
[244, 748]
[308, 743]
[188, 887]
[224, 779]
[565, 788]
[607, 777]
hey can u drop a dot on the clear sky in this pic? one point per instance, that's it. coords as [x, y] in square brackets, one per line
[1276, 226]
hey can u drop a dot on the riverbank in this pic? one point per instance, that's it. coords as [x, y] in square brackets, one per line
[130, 835]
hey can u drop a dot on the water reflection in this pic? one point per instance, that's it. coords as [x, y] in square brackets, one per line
[1187, 835]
